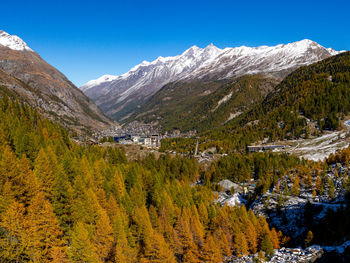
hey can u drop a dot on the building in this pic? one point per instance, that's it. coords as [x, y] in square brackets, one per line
[155, 141]
[258, 148]
[147, 142]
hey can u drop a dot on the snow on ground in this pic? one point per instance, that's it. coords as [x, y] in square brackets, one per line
[317, 149]
[233, 200]
[230, 200]
[285, 255]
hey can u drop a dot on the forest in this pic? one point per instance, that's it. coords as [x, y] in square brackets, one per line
[65, 202]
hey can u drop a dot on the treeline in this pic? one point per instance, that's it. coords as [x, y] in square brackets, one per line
[63, 202]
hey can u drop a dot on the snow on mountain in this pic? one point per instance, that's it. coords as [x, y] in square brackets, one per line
[13, 42]
[125, 92]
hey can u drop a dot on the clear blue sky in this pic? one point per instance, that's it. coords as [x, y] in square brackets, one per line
[87, 39]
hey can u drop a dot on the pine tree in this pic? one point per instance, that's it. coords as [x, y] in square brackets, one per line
[184, 244]
[309, 238]
[44, 172]
[274, 238]
[210, 252]
[158, 251]
[240, 245]
[27, 185]
[296, 186]
[13, 239]
[251, 236]
[123, 251]
[102, 239]
[45, 233]
[331, 189]
[81, 249]
[267, 246]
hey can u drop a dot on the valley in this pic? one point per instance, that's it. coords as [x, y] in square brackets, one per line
[213, 155]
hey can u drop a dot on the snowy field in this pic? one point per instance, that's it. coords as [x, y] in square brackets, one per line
[317, 149]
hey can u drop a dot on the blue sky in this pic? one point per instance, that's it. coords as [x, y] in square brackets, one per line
[87, 39]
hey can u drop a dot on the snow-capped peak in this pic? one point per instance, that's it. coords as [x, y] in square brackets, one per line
[13, 42]
[103, 79]
[210, 62]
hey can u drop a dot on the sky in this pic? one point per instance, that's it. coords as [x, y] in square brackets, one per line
[88, 39]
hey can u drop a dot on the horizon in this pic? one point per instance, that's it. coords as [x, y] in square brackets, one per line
[126, 34]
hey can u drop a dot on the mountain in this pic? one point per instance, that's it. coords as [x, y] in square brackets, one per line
[26, 76]
[199, 105]
[309, 101]
[120, 96]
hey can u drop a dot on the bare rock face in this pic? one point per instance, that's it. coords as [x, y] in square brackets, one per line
[120, 96]
[26, 75]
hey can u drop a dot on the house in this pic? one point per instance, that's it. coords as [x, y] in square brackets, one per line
[147, 141]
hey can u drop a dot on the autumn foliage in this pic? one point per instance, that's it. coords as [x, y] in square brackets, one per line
[64, 202]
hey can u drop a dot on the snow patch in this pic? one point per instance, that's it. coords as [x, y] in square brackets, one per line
[13, 42]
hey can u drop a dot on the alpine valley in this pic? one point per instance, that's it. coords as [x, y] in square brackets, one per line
[223, 155]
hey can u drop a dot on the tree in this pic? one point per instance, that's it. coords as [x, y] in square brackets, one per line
[267, 246]
[240, 245]
[210, 251]
[185, 247]
[158, 251]
[13, 239]
[331, 189]
[296, 186]
[81, 249]
[309, 237]
[44, 172]
[102, 239]
[44, 232]
[251, 236]
[274, 238]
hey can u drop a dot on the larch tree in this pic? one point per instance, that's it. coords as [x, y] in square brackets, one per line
[13, 239]
[81, 249]
[45, 233]
[102, 239]
[44, 172]
[240, 245]
[210, 252]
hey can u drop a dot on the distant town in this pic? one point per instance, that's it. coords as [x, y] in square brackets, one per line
[137, 133]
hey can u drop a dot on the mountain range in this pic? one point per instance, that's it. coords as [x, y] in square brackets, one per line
[25, 76]
[121, 96]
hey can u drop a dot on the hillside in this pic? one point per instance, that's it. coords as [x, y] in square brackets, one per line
[198, 104]
[64, 202]
[25, 75]
[311, 99]
[120, 96]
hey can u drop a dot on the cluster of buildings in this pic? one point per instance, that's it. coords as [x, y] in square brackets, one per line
[152, 141]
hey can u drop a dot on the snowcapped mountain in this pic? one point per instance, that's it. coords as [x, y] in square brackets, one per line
[26, 76]
[13, 42]
[119, 96]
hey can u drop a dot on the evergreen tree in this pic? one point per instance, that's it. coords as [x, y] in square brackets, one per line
[81, 249]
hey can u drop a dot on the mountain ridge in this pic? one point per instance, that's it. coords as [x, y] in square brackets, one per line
[118, 96]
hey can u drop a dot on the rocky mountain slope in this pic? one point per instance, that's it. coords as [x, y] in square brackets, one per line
[119, 96]
[26, 76]
[197, 105]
